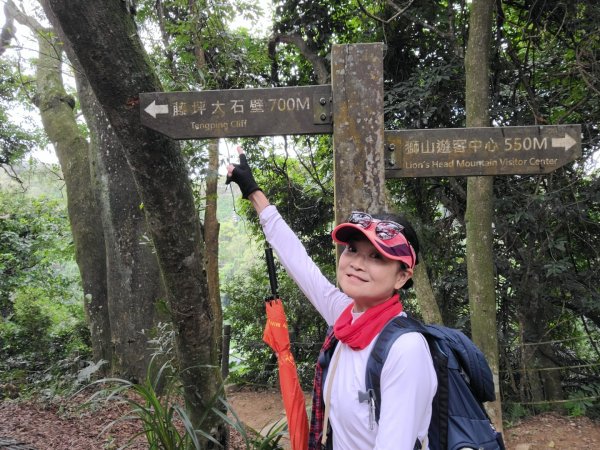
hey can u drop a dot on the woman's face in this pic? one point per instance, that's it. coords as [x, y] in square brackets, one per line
[367, 276]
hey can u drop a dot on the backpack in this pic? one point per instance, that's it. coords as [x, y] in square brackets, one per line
[465, 382]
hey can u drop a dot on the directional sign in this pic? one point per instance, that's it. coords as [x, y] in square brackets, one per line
[238, 112]
[480, 151]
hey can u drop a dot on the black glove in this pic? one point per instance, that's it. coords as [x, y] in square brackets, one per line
[242, 175]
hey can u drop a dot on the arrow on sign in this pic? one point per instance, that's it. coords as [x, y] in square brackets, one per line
[567, 142]
[153, 109]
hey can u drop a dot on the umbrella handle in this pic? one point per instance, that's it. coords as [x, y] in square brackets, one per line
[271, 271]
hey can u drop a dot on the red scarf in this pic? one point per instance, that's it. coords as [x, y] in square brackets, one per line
[360, 333]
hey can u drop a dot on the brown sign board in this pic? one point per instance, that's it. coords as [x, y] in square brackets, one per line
[480, 151]
[238, 112]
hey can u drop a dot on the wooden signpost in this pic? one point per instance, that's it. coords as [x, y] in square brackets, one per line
[351, 109]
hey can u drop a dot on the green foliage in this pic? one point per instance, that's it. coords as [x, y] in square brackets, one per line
[234, 230]
[42, 325]
[15, 141]
[34, 179]
[584, 401]
[198, 50]
[28, 331]
[232, 256]
[48, 343]
[421, 101]
[272, 437]
[35, 247]
[547, 227]
[156, 401]
[513, 413]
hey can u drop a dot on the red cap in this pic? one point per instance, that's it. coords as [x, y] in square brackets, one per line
[397, 248]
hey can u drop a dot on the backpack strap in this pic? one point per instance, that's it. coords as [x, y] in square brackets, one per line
[393, 330]
[318, 402]
[326, 354]
[326, 424]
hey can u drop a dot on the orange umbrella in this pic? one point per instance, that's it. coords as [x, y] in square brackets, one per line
[276, 335]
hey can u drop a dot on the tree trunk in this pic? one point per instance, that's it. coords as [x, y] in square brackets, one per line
[538, 357]
[133, 277]
[105, 41]
[72, 151]
[211, 223]
[478, 217]
[211, 234]
[425, 296]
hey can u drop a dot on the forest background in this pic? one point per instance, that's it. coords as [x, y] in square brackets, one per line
[90, 261]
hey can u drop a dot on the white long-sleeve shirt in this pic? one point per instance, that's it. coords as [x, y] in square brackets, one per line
[408, 380]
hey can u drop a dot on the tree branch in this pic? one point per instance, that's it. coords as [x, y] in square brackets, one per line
[584, 74]
[11, 172]
[318, 63]
[8, 29]
[399, 11]
[425, 25]
[11, 10]
[14, 13]
[589, 334]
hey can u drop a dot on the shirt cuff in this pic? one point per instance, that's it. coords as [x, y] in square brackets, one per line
[266, 214]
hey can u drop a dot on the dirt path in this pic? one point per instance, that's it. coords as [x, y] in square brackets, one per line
[66, 427]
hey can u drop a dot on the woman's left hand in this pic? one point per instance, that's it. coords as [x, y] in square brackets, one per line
[241, 174]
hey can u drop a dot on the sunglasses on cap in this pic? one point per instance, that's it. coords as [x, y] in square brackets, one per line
[384, 229]
[387, 236]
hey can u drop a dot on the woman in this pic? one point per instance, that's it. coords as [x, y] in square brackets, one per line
[378, 259]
